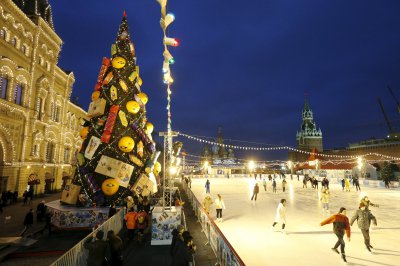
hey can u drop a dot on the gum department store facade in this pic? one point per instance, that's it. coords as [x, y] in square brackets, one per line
[39, 125]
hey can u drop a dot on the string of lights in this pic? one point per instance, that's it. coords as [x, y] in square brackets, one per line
[250, 148]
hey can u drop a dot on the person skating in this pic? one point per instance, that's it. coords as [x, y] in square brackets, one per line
[357, 183]
[343, 184]
[265, 184]
[368, 203]
[284, 184]
[219, 205]
[364, 218]
[207, 186]
[305, 182]
[325, 200]
[274, 186]
[347, 183]
[280, 216]
[341, 226]
[207, 202]
[256, 189]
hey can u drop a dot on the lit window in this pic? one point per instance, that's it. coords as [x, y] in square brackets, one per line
[14, 42]
[50, 152]
[39, 107]
[18, 94]
[23, 49]
[3, 34]
[3, 87]
[66, 155]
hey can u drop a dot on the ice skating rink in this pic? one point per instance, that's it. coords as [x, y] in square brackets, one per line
[247, 224]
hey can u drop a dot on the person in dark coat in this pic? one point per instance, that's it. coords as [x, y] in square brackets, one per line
[40, 211]
[364, 218]
[112, 210]
[255, 192]
[114, 249]
[183, 255]
[96, 248]
[28, 221]
[47, 218]
[176, 233]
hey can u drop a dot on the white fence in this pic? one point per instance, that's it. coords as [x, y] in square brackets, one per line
[77, 255]
[225, 253]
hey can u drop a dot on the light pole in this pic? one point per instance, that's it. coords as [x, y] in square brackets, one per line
[251, 166]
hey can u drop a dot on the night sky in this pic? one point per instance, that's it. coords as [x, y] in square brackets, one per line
[246, 65]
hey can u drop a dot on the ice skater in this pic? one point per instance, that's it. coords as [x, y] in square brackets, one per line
[367, 203]
[325, 200]
[343, 184]
[347, 183]
[207, 202]
[340, 226]
[357, 183]
[255, 192]
[305, 182]
[207, 186]
[219, 205]
[281, 215]
[284, 184]
[364, 218]
[274, 186]
[265, 184]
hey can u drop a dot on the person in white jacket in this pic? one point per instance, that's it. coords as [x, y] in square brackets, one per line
[281, 214]
[219, 205]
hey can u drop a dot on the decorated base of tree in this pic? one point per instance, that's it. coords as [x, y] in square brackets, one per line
[118, 156]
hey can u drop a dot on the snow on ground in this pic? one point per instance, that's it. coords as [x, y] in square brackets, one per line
[247, 224]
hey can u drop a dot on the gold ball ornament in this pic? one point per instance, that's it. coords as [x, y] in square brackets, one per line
[83, 132]
[149, 128]
[118, 62]
[95, 95]
[157, 168]
[132, 107]
[143, 97]
[126, 144]
[109, 187]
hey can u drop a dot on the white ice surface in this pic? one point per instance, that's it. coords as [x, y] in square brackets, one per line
[247, 224]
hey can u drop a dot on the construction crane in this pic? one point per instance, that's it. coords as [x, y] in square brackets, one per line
[392, 134]
[395, 99]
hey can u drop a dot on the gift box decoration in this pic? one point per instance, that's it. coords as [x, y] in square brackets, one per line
[108, 128]
[70, 194]
[96, 108]
[116, 169]
[143, 185]
[91, 148]
[143, 136]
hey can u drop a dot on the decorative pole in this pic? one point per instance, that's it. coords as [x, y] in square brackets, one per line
[165, 21]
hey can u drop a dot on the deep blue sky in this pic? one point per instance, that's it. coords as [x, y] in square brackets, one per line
[245, 65]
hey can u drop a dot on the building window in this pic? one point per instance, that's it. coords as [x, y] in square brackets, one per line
[66, 155]
[35, 150]
[40, 60]
[50, 152]
[18, 94]
[57, 114]
[52, 111]
[3, 34]
[39, 108]
[3, 87]
[14, 41]
[23, 49]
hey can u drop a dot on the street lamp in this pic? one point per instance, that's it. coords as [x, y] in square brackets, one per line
[290, 166]
[251, 166]
[206, 166]
[360, 164]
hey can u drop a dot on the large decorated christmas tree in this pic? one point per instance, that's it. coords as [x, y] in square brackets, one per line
[118, 156]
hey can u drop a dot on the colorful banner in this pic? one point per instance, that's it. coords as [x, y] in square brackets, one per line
[163, 222]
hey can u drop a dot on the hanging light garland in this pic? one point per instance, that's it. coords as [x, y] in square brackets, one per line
[237, 147]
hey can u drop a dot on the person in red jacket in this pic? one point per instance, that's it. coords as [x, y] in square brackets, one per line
[141, 223]
[130, 219]
[340, 226]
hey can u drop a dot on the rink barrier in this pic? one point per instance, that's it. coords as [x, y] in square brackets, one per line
[77, 255]
[223, 250]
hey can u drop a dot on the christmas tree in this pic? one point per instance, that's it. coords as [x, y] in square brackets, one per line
[118, 156]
